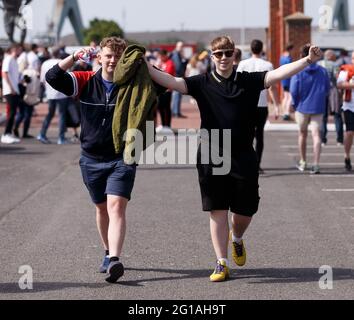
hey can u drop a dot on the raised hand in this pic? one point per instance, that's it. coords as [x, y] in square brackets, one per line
[315, 54]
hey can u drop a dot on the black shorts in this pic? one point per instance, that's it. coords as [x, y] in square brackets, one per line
[103, 178]
[228, 192]
[349, 120]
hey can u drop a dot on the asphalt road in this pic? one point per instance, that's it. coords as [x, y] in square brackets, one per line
[48, 223]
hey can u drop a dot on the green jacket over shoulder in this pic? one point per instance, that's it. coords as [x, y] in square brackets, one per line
[135, 104]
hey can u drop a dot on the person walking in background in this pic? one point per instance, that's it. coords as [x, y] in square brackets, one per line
[257, 64]
[164, 100]
[1, 60]
[309, 90]
[204, 62]
[180, 66]
[30, 96]
[346, 82]
[33, 61]
[238, 58]
[286, 103]
[343, 59]
[55, 99]
[193, 67]
[334, 101]
[11, 90]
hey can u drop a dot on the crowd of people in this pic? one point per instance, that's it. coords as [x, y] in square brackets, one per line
[23, 86]
[231, 94]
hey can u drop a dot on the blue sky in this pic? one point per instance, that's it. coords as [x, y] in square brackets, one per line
[154, 15]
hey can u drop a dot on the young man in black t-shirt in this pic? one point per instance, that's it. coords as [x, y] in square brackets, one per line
[228, 100]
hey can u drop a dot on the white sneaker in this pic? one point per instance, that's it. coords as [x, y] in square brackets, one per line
[9, 139]
[159, 129]
[166, 131]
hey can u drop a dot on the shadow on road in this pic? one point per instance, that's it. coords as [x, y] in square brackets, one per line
[280, 172]
[19, 150]
[259, 276]
[255, 276]
[48, 286]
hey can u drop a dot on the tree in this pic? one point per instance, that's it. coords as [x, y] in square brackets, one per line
[100, 29]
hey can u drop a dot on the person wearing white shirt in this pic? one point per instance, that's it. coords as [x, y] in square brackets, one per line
[11, 91]
[55, 98]
[346, 82]
[257, 64]
[33, 60]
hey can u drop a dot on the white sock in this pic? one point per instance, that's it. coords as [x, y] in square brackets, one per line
[226, 261]
[237, 240]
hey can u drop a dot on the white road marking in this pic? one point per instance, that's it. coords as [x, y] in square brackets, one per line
[322, 155]
[338, 190]
[310, 147]
[332, 176]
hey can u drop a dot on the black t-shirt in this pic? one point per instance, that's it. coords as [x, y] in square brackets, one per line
[229, 104]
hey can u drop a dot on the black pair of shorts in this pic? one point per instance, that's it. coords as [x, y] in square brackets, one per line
[229, 192]
[349, 120]
[109, 177]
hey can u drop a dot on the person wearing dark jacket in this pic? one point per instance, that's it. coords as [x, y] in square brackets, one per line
[108, 178]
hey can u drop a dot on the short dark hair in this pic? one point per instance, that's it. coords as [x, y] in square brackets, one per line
[13, 46]
[238, 54]
[56, 52]
[305, 50]
[289, 47]
[163, 52]
[256, 46]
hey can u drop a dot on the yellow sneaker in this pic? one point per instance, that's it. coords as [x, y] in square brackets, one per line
[221, 272]
[238, 252]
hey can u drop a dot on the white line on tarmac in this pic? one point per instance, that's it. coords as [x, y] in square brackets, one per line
[350, 208]
[332, 176]
[322, 154]
[309, 147]
[338, 190]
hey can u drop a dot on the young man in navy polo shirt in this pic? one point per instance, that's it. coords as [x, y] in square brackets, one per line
[227, 100]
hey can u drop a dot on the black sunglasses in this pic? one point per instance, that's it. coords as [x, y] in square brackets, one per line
[220, 54]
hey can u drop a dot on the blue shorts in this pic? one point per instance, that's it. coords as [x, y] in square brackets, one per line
[110, 177]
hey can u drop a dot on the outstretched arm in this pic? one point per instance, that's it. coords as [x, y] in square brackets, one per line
[166, 80]
[288, 70]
